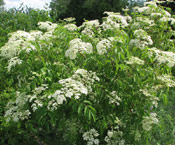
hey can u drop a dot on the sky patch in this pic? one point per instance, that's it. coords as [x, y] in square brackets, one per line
[30, 3]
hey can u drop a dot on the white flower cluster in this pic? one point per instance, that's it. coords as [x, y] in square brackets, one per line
[78, 46]
[11, 48]
[79, 84]
[128, 18]
[25, 36]
[142, 39]
[146, 21]
[40, 89]
[113, 98]
[88, 32]
[155, 15]
[115, 21]
[36, 98]
[116, 39]
[163, 57]
[77, 88]
[18, 41]
[167, 80]
[142, 23]
[87, 77]
[164, 19]
[71, 27]
[147, 9]
[151, 97]
[151, 3]
[135, 60]
[47, 36]
[48, 26]
[49, 31]
[164, 16]
[16, 109]
[114, 137]
[149, 121]
[103, 45]
[172, 21]
[21, 41]
[157, 87]
[91, 137]
[69, 19]
[13, 62]
[142, 35]
[35, 35]
[89, 26]
[166, 13]
[144, 10]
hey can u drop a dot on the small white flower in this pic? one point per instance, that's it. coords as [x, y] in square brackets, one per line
[90, 24]
[145, 10]
[156, 15]
[149, 121]
[103, 46]
[90, 137]
[77, 46]
[163, 57]
[70, 19]
[71, 27]
[167, 80]
[76, 86]
[135, 60]
[13, 62]
[110, 133]
[151, 3]
[166, 13]
[48, 26]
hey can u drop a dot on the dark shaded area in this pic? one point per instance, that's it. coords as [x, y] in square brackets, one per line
[84, 9]
[168, 4]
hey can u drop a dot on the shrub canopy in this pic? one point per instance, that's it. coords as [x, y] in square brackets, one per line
[99, 83]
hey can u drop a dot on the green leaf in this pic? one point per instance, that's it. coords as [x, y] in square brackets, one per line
[86, 110]
[93, 116]
[87, 102]
[92, 108]
[89, 117]
[165, 99]
[80, 108]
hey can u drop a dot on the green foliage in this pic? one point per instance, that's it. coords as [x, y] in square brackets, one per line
[20, 19]
[1, 3]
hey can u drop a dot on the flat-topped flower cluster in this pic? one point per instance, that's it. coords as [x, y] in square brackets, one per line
[76, 86]
[79, 85]
[78, 46]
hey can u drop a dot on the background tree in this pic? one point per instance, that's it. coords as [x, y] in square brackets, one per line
[86, 9]
[22, 18]
[1, 3]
